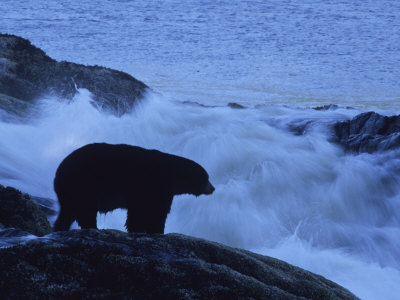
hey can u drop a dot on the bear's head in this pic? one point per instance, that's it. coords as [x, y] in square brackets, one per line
[192, 179]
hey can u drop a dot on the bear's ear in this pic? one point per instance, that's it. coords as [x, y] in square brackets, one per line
[209, 189]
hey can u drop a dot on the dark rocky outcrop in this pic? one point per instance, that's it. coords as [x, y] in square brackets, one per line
[111, 264]
[17, 210]
[365, 133]
[368, 132]
[27, 73]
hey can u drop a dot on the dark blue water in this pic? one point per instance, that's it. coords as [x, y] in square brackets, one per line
[274, 51]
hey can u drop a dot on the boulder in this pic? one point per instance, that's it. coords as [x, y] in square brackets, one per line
[365, 133]
[27, 73]
[235, 105]
[81, 264]
[17, 210]
[368, 132]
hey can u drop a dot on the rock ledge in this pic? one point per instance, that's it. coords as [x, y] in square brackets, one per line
[113, 264]
[27, 73]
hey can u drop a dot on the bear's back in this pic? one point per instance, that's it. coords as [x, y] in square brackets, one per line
[102, 164]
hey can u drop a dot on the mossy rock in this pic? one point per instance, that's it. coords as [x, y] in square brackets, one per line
[17, 210]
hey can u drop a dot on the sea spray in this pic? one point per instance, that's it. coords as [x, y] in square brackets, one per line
[297, 197]
[367, 280]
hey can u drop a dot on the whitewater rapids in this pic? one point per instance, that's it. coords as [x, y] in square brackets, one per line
[297, 198]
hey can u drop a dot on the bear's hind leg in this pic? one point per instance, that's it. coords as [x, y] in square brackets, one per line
[87, 218]
[64, 220]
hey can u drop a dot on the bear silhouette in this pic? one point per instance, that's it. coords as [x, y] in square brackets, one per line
[102, 177]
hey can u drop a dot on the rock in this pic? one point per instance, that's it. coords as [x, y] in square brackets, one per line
[194, 103]
[365, 133]
[11, 237]
[331, 107]
[13, 107]
[18, 211]
[326, 107]
[300, 127]
[111, 264]
[236, 105]
[27, 73]
[48, 206]
[233, 105]
[368, 132]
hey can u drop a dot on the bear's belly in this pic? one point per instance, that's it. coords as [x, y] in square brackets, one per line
[110, 203]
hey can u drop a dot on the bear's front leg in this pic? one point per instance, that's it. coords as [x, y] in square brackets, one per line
[148, 221]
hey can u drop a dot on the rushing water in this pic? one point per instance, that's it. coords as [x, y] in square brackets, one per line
[298, 198]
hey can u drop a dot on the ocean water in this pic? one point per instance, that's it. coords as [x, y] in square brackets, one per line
[297, 198]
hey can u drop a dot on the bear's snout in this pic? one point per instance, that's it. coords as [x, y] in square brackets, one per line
[209, 189]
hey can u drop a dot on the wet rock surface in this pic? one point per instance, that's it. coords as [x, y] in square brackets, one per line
[17, 210]
[235, 105]
[115, 265]
[27, 73]
[368, 132]
[331, 107]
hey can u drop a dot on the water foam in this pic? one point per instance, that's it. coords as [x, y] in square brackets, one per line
[299, 198]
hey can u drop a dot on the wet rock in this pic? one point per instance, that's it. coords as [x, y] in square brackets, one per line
[114, 265]
[11, 107]
[235, 105]
[194, 103]
[11, 237]
[46, 205]
[326, 107]
[300, 127]
[27, 73]
[17, 210]
[331, 107]
[368, 132]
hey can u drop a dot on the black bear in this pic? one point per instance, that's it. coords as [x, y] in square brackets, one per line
[103, 177]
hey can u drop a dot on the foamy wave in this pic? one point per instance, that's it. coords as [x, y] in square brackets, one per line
[270, 184]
